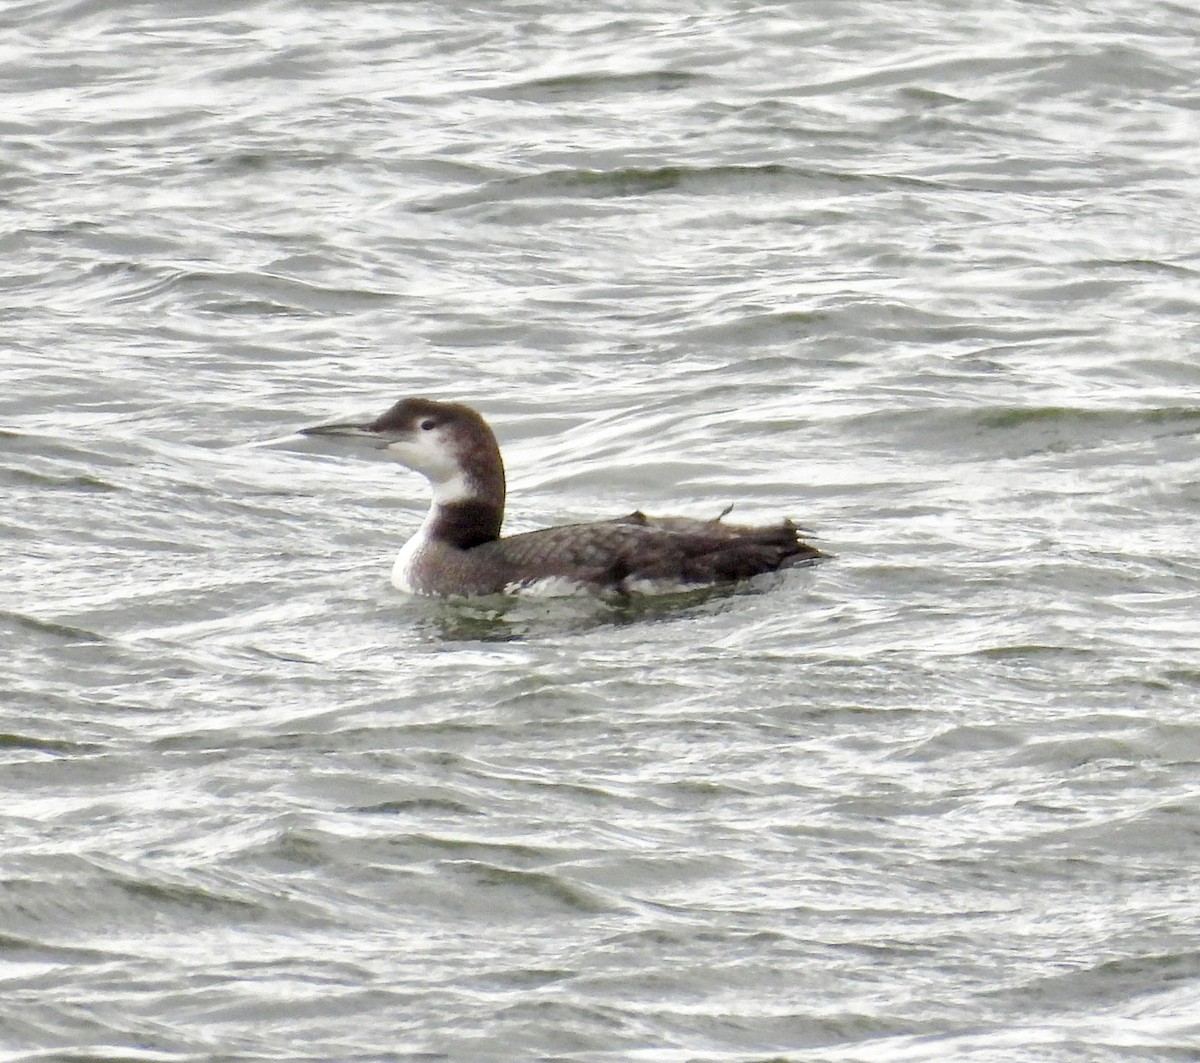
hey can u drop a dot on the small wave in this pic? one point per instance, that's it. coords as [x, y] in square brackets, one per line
[260, 293]
[50, 627]
[29, 478]
[55, 746]
[590, 85]
[634, 181]
[1186, 418]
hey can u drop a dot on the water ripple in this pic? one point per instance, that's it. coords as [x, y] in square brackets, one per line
[920, 277]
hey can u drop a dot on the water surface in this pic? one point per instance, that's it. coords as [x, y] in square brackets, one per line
[923, 277]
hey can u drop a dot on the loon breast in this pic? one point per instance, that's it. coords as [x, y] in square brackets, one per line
[458, 549]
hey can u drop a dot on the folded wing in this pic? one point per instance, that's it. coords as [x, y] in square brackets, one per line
[636, 549]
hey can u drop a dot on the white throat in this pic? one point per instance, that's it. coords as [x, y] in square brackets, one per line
[458, 488]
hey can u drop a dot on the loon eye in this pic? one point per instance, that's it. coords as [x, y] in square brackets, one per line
[428, 425]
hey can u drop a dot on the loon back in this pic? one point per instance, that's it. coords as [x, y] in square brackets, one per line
[459, 550]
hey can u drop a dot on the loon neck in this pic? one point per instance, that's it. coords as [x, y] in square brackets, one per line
[464, 513]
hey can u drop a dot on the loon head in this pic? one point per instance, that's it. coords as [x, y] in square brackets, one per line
[448, 443]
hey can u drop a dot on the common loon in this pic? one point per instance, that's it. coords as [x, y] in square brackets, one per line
[459, 550]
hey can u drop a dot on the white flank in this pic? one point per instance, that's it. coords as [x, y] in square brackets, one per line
[546, 587]
[658, 586]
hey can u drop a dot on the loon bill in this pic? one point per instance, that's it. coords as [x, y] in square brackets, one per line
[459, 550]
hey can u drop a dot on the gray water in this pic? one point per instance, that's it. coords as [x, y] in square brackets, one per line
[922, 276]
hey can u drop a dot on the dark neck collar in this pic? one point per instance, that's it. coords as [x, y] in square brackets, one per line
[467, 523]
[475, 509]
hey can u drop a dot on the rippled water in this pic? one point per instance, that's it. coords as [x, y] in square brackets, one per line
[923, 276]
